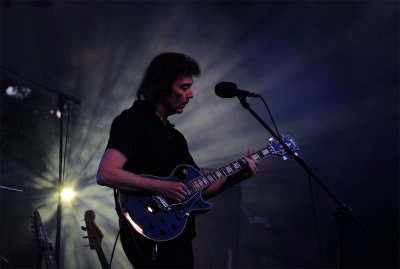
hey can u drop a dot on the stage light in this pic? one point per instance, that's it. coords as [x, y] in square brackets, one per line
[11, 91]
[17, 92]
[67, 194]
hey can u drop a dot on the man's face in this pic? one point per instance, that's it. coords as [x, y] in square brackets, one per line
[181, 92]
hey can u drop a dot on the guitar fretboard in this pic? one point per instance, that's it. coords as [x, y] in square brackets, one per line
[202, 182]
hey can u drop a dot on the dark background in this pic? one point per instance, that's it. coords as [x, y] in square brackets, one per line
[329, 71]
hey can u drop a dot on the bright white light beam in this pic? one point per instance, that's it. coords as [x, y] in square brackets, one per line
[67, 194]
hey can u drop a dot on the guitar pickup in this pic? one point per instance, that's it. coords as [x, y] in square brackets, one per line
[158, 202]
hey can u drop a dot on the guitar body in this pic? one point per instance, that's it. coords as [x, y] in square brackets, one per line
[156, 218]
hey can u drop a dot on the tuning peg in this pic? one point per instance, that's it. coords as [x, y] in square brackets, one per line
[284, 157]
[85, 236]
[83, 228]
[296, 154]
[87, 246]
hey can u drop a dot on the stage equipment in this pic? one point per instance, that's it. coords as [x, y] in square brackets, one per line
[63, 99]
[345, 213]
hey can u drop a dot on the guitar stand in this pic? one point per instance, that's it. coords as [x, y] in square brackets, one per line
[341, 218]
[344, 213]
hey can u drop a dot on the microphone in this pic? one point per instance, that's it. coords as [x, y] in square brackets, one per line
[227, 89]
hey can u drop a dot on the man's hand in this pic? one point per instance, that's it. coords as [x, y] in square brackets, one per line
[250, 170]
[175, 191]
[251, 164]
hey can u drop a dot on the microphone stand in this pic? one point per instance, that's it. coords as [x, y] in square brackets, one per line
[62, 99]
[343, 215]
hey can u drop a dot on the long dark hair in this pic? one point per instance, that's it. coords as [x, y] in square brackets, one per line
[162, 72]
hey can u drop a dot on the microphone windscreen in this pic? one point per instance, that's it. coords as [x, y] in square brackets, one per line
[225, 89]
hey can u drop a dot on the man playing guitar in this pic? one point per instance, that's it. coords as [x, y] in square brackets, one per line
[142, 153]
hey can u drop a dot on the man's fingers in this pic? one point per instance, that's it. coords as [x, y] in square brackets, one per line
[182, 192]
[252, 164]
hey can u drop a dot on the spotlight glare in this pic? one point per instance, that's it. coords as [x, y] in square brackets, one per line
[67, 194]
[17, 92]
[11, 91]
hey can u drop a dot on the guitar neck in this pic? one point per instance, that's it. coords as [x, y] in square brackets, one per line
[95, 236]
[50, 259]
[202, 182]
[102, 258]
[47, 249]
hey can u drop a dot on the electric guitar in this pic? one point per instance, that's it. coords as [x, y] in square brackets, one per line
[95, 236]
[44, 243]
[159, 219]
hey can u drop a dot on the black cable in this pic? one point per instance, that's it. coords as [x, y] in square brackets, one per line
[311, 192]
[66, 141]
[316, 223]
[270, 115]
[112, 253]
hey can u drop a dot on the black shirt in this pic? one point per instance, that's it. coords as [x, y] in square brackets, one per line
[150, 146]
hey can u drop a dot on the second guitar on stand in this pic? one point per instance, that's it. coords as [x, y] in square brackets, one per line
[95, 236]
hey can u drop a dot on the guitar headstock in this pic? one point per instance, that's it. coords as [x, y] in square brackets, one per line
[94, 233]
[37, 227]
[276, 148]
[43, 241]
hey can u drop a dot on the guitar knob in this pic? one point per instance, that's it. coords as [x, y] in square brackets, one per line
[174, 226]
[163, 220]
[152, 226]
[162, 232]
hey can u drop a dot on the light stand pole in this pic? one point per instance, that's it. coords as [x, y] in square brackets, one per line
[61, 102]
[62, 99]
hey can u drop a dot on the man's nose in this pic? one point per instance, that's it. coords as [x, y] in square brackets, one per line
[189, 94]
